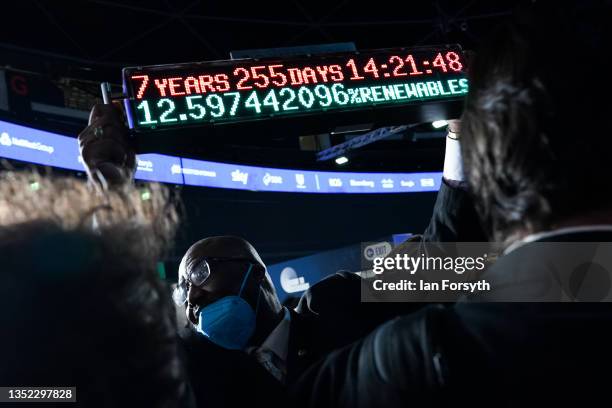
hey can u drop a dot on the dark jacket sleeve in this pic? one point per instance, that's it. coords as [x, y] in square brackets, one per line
[216, 373]
[454, 217]
[397, 365]
[335, 303]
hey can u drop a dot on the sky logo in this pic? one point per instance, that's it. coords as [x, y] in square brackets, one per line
[240, 177]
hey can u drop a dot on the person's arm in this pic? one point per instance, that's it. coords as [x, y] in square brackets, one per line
[105, 147]
[454, 216]
[399, 364]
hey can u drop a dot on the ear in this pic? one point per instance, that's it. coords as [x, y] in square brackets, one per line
[259, 272]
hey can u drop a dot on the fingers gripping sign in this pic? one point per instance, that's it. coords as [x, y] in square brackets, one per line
[105, 146]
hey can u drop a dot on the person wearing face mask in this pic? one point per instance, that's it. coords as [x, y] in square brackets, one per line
[234, 319]
[227, 294]
[229, 304]
[230, 301]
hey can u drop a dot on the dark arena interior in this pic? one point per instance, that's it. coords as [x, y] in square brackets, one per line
[304, 203]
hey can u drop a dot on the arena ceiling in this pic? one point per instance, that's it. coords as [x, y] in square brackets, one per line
[93, 39]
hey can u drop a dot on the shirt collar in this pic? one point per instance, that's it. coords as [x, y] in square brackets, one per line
[278, 340]
[559, 231]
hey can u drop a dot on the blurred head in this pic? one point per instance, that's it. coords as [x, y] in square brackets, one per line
[535, 135]
[218, 267]
[85, 308]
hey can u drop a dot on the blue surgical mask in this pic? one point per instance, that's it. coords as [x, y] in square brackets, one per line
[230, 321]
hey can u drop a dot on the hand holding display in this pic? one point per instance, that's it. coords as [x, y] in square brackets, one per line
[105, 147]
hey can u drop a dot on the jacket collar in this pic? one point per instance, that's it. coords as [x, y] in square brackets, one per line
[547, 235]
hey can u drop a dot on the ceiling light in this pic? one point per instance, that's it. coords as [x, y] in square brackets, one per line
[439, 123]
[341, 160]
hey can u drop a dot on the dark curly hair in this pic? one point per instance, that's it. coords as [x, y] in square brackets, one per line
[84, 307]
[533, 145]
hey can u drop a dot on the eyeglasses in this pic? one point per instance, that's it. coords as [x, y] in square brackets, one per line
[198, 276]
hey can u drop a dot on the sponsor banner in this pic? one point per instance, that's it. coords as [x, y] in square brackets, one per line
[159, 167]
[38, 146]
[293, 277]
[50, 149]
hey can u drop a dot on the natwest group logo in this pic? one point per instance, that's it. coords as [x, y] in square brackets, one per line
[5, 139]
[270, 179]
[8, 141]
[240, 177]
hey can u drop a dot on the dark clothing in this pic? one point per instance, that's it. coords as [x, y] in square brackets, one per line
[454, 218]
[493, 354]
[331, 315]
[227, 378]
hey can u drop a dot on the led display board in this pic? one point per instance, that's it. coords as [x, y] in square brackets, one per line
[237, 91]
